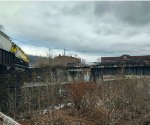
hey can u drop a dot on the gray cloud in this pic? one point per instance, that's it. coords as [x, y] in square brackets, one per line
[132, 12]
[93, 27]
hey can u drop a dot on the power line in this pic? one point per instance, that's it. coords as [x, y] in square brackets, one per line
[37, 45]
[64, 49]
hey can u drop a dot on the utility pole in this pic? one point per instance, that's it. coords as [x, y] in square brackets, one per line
[49, 55]
[64, 51]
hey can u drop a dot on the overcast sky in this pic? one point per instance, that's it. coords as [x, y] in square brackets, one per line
[88, 29]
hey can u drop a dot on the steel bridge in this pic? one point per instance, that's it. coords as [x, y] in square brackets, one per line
[99, 70]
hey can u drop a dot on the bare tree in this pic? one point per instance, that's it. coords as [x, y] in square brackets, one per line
[1, 27]
[50, 57]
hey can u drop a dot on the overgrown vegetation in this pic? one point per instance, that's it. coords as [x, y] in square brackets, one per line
[118, 102]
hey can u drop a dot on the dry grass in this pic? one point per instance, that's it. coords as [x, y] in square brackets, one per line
[119, 102]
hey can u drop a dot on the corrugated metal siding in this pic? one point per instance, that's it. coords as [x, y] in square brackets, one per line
[6, 58]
